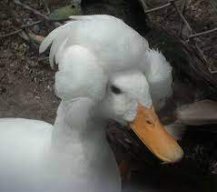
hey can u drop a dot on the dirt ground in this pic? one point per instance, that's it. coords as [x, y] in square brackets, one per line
[26, 90]
[26, 83]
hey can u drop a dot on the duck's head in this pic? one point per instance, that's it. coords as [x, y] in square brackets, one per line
[121, 95]
[128, 101]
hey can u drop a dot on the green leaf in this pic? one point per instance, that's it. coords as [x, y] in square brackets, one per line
[64, 12]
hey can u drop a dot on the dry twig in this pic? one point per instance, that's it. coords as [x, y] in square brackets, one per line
[190, 46]
[212, 71]
[160, 7]
[2, 77]
[143, 3]
[36, 12]
[20, 29]
[46, 6]
[200, 54]
[202, 33]
[181, 16]
[181, 27]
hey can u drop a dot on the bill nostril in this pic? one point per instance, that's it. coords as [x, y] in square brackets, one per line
[148, 122]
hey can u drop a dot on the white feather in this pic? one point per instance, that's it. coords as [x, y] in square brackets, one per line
[79, 75]
[159, 76]
[116, 45]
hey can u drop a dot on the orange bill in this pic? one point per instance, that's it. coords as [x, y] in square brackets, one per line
[151, 132]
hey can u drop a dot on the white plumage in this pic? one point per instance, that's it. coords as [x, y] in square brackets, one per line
[93, 54]
[115, 45]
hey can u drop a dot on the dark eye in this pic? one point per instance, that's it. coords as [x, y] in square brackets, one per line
[115, 89]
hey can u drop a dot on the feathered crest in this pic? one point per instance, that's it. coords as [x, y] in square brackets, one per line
[117, 45]
[159, 75]
[57, 39]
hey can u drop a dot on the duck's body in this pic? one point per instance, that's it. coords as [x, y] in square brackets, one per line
[34, 158]
[102, 63]
[23, 147]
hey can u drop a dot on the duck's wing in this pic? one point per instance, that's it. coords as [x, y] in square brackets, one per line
[116, 45]
[198, 113]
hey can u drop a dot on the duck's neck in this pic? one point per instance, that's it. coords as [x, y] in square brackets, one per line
[76, 123]
[79, 150]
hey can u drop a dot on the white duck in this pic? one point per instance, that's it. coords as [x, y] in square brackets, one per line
[101, 65]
